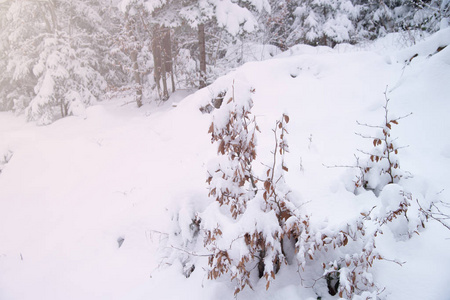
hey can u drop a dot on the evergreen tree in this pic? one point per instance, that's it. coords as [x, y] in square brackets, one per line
[278, 23]
[53, 52]
[17, 50]
[324, 22]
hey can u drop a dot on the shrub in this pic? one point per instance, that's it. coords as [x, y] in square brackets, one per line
[383, 164]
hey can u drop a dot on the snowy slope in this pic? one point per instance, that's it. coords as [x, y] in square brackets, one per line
[72, 190]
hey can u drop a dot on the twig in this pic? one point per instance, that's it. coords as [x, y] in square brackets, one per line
[368, 125]
[338, 166]
[366, 136]
[190, 252]
[395, 261]
[130, 102]
[439, 217]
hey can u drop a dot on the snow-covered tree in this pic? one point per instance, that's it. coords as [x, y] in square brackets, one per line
[324, 22]
[149, 44]
[17, 50]
[173, 26]
[329, 22]
[278, 22]
[64, 83]
[54, 53]
[391, 16]
[235, 18]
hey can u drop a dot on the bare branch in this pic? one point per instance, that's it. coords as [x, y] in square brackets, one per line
[190, 252]
[365, 136]
[402, 117]
[368, 125]
[439, 216]
[340, 166]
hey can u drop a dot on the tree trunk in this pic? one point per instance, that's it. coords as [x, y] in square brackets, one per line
[162, 58]
[166, 59]
[51, 8]
[202, 54]
[167, 46]
[137, 77]
[47, 23]
[164, 77]
[135, 65]
[156, 50]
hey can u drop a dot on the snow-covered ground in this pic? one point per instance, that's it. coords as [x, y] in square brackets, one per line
[86, 201]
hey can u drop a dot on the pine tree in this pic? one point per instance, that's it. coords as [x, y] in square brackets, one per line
[53, 56]
[17, 50]
[324, 22]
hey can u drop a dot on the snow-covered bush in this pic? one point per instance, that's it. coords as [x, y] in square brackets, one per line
[245, 226]
[4, 159]
[180, 245]
[383, 165]
[231, 178]
[232, 184]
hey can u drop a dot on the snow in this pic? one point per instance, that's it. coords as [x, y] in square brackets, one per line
[72, 189]
[150, 5]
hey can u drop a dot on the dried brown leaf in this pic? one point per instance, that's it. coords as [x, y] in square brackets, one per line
[267, 186]
[211, 128]
[221, 148]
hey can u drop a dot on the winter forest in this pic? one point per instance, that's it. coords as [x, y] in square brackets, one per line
[224, 149]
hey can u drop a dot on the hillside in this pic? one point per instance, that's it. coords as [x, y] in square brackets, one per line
[87, 202]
